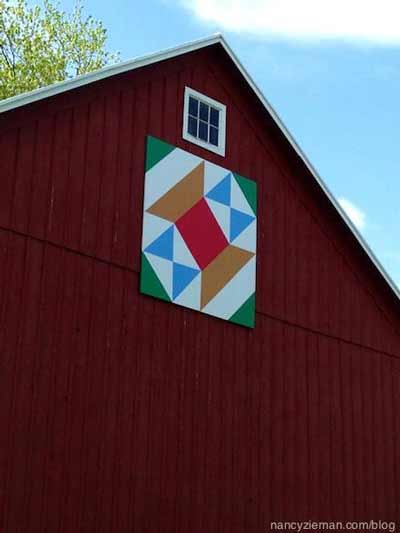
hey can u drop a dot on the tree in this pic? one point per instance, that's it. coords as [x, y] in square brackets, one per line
[41, 45]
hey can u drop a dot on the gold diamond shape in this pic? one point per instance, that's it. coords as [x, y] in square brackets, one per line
[224, 267]
[185, 194]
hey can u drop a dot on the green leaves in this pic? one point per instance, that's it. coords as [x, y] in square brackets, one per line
[41, 45]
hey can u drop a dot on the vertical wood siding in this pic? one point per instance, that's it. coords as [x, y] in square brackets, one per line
[121, 413]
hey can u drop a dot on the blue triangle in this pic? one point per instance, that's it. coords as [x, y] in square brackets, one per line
[163, 246]
[239, 222]
[222, 191]
[181, 277]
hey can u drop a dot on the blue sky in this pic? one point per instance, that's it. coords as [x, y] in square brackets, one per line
[332, 73]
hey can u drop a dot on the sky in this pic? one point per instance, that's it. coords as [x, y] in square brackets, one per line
[330, 69]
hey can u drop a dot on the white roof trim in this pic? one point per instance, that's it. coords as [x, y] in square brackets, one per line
[106, 72]
[112, 70]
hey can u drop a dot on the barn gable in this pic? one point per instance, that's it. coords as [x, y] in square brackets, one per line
[301, 237]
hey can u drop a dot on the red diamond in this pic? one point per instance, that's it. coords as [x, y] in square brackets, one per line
[202, 233]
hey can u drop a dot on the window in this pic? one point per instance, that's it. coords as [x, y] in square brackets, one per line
[204, 121]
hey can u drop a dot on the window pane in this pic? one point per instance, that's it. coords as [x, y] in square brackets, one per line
[204, 109]
[214, 116]
[203, 131]
[192, 126]
[193, 107]
[214, 136]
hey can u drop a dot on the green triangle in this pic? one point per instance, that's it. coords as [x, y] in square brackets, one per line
[249, 189]
[149, 282]
[155, 151]
[245, 315]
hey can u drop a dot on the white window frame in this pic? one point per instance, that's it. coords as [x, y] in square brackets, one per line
[220, 149]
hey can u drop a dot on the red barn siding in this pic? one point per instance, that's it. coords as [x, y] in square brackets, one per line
[123, 413]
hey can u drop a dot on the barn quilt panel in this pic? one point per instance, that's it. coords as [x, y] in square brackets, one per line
[199, 234]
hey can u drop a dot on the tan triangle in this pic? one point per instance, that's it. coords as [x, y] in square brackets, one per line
[224, 267]
[184, 195]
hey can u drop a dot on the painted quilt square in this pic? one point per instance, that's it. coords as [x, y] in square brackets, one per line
[199, 234]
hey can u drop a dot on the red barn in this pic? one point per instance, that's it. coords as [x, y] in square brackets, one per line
[120, 412]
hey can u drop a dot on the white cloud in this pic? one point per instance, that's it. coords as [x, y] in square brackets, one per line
[365, 20]
[355, 214]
